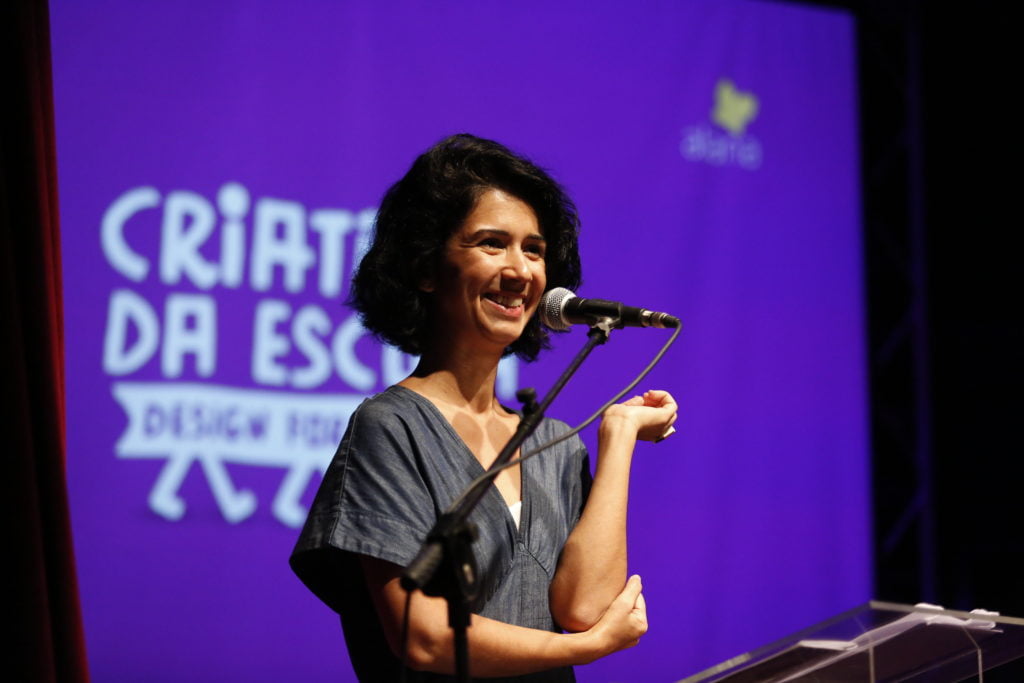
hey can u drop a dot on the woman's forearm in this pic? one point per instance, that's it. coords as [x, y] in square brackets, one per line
[496, 648]
[593, 564]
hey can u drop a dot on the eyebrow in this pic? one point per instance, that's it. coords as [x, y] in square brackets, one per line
[505, 233]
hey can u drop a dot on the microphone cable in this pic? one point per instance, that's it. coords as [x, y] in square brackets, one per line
[490, 473]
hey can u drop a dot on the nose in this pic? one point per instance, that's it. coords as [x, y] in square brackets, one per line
[517, 266]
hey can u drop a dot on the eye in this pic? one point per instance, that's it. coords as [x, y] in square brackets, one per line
[491, 243]
[535, 249]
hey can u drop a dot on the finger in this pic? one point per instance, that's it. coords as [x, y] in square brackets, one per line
[667, 406]
[634, 401]
[660, 399]
[640, 613]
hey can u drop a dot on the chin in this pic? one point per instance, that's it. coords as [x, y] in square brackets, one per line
[504, 337]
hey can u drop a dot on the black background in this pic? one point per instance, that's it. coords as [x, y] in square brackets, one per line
[941, 192]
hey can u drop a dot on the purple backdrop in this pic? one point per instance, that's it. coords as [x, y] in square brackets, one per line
[219, 167]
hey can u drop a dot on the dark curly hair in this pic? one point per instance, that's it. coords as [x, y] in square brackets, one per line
[422, 210]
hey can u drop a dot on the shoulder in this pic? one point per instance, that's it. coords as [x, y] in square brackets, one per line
[390, 404]
[397, 425]
[387, 412]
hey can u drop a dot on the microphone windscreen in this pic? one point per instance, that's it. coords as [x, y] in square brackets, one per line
[551, 308]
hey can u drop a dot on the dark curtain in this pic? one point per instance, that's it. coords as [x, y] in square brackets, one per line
[43, 610]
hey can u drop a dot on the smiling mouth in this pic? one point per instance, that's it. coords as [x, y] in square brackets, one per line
[510, 302]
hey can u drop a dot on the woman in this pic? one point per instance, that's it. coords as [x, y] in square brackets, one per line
[465, 245]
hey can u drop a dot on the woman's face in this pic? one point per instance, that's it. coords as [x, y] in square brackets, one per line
[492, 274]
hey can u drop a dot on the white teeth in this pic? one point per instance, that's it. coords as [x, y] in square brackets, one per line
[506, 301]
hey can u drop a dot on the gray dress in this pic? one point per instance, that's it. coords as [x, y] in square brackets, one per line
[398, 467]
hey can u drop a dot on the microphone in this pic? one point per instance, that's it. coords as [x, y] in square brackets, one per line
[560, 308]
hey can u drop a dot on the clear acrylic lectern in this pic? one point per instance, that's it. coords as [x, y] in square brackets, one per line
[881, 641]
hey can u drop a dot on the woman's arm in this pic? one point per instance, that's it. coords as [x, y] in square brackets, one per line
[592, 567]
[496, 648]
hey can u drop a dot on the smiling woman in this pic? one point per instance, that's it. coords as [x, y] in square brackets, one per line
[465, 245]
[492, 275]
[419, 216]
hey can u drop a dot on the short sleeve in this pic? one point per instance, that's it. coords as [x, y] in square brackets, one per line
[372, 501]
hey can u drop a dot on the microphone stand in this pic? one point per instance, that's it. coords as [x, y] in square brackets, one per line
[445, 565]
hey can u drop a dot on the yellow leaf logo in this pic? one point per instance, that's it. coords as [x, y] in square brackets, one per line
[734, 110]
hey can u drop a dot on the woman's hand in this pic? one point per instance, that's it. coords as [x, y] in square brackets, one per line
[496, 648]
[623, 622]
[650, 416]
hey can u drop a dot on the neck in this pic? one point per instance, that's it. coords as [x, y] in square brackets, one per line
[458, 378]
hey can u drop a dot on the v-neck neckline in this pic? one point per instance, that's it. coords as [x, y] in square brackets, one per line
[476, 464]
